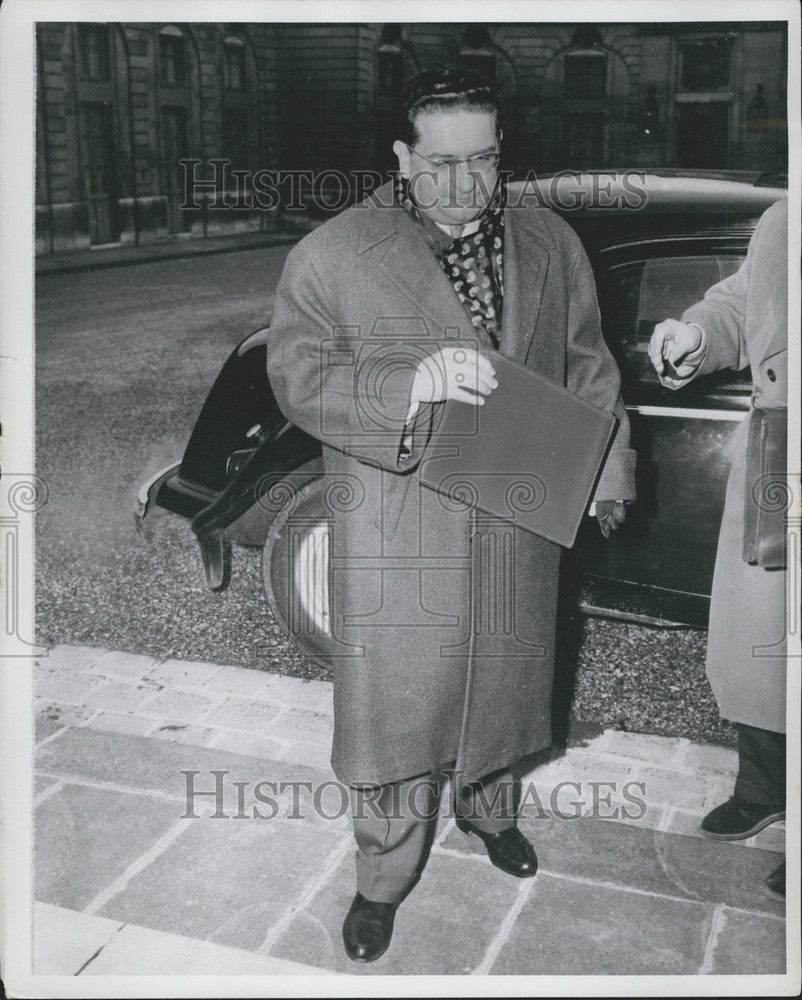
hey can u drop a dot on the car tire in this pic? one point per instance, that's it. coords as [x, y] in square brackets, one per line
[295, 570]
[252, 527]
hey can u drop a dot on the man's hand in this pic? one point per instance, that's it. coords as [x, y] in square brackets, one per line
[453, 373]
[673, 341]
[610, 514]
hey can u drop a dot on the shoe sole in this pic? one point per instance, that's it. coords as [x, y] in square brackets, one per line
[774, 818]
[772, 894]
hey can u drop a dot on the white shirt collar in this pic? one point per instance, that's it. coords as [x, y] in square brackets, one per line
[467, 230]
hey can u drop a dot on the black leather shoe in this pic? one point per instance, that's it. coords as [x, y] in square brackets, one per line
[368, 929]
[509, 850]
[737, 819]
[775, 883]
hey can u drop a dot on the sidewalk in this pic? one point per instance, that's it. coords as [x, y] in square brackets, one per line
[127, 882]
[116, 255]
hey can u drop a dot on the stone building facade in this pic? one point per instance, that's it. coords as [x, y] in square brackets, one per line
[120, 106]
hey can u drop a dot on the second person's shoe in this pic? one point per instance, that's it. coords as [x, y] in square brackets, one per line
[737, 819]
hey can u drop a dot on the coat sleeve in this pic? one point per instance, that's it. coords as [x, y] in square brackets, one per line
[349, 392]
[722, 317]
[592, 373]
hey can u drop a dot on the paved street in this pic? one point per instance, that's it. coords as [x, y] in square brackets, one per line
[130, 879]
[125, 357]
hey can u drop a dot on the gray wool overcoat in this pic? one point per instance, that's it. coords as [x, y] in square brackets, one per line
[443, 619]
[745, 319]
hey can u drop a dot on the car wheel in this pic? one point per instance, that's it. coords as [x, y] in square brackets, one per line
[295, 570]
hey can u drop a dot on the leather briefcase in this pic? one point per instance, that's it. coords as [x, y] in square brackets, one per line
[530, 456]
[767, 495]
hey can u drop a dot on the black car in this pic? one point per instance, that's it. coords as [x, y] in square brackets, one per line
[656, 243]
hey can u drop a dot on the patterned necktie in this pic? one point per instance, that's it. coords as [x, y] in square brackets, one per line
[473, 264]
[469, 265]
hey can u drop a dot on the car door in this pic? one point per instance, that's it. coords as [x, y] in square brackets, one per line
[659, 567]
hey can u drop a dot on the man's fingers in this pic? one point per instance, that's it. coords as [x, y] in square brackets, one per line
[463, 396]
[657, 346]
[484, 366]
[475, 381]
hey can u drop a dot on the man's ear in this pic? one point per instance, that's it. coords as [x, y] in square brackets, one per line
[401, 150]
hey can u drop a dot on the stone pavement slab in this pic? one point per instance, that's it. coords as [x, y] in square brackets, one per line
[227, 881]
[113, 663]
[648, 860]
[71, 943]
[86, 837]
[592, 929]
[52, 716]
[146, 764]
[748, 944]
[68, 657]
[270, 687]
[444, 928]
[64, 940]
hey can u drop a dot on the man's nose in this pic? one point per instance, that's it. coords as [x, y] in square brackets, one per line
[462, 177]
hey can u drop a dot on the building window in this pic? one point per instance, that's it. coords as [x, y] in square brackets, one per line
[389, 69]
[233, 63]
[585, 75]
[757, 112]
[479, 61]
[704, 64]
[650, 116]
[172, 57]
[477, 52]
[175, 146]
[235, 137]
[95, 51]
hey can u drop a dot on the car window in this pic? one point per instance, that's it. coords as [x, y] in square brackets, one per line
[635, 297]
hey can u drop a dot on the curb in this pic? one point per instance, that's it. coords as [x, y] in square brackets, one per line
[68, 942]
[81, 261]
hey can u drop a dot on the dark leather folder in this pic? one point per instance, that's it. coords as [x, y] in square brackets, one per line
[530, 456]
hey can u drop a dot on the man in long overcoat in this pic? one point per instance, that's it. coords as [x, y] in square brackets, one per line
[744, 320]
[443, 619]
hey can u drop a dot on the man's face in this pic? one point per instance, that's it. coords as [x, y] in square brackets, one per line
[451, 193]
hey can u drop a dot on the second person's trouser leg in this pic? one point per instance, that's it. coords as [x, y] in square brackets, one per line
[761, 766]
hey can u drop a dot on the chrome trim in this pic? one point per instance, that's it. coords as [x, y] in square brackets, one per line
[143, 497]
[598, 611]
[689, 413]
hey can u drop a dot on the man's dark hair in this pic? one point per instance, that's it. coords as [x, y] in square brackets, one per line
[450, 88]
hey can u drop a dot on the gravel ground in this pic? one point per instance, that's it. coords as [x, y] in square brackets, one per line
[125, 358]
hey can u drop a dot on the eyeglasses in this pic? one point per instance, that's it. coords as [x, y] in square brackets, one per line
[480, 161]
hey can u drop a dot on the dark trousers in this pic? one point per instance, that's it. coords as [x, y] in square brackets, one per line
[394, 826]
[761, 766]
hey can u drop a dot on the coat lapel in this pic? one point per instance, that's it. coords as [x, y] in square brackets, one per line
[526, 262]
[397, 245]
